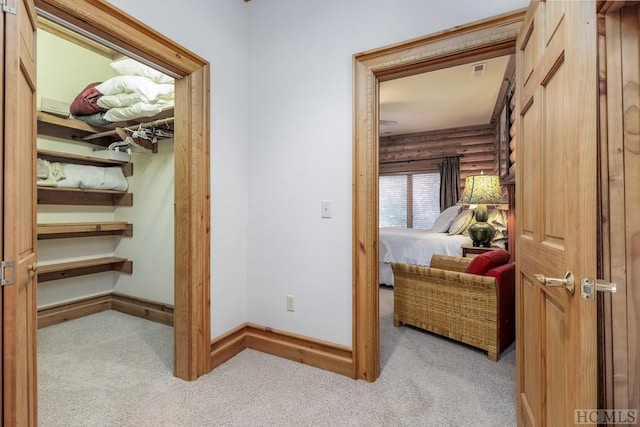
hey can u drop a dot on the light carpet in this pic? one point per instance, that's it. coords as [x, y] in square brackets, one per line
[111, 369]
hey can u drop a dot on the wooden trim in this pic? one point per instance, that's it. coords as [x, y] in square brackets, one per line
[192, 158]
[228, 345]
[298, 348]
[192, 225]
[60, 313]
[620, 172]
[143, 308]
[110, 23]
[464, 44]
[138, 307]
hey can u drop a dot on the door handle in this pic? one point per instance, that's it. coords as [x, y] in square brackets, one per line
[568, 282]
[588, 286]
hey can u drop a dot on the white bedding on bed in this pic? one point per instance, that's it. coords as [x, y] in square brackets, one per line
[413, 246]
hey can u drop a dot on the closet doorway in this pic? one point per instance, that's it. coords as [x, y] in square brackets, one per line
[191, 194]
[191, 170]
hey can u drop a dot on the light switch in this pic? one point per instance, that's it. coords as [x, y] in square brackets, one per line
[325, 207]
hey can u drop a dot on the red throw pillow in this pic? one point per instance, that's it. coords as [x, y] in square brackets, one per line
[486, 261]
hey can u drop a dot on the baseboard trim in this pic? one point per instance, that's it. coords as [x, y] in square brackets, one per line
[60, 313]
[228, 345]
[298, 348]
[145, 309]
[153, 311]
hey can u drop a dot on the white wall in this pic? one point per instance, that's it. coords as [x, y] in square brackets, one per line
[282, 142]
[300, 146]
[217, 31]
[152, 246]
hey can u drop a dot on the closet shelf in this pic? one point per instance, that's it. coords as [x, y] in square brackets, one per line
[47, 273]
[55, 156]
[77, 130]
[78, 196]
[84, 229]
[58, 127]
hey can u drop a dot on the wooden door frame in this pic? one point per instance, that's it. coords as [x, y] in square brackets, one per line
[476, 41]
[618, 188]
[192, 335]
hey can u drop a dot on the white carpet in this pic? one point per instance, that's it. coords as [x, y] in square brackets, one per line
[111, 369]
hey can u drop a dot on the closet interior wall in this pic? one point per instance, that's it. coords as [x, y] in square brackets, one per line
[64, 69]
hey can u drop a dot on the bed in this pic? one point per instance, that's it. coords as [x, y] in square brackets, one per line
[446, 237]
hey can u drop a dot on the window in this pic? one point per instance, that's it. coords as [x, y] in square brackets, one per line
[409, 201]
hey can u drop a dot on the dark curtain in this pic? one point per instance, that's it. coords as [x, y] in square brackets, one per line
[449, 182]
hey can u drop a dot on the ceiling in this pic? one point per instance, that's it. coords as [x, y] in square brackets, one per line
[442, 99]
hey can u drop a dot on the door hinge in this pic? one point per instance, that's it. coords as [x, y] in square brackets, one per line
[5, 279]
[7, 8]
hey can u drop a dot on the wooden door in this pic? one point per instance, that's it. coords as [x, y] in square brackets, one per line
[556, 208]
[19, 238]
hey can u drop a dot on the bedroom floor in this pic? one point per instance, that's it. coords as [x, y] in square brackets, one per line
[111, 369]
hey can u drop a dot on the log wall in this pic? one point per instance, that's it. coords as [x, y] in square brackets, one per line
[422, 152]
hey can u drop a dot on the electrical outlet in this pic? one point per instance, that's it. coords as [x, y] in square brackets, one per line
[291, 303]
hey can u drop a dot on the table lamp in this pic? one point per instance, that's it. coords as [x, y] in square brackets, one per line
[482, 190]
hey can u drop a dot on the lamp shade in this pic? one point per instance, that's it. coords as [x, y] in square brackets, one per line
[482, 189]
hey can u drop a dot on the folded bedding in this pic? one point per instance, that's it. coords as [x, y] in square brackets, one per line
[69, 175]
[140, 91]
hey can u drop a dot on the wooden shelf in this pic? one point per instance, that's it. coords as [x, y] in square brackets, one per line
[47, 273]
[78, 196]
[78, 159]
[84, 229]
[58, 127]
[77, 130]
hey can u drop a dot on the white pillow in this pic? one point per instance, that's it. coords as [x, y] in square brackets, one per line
[135, 111]
[132, 67]
[119, 100]
[129, 84]
[461, 222]
[444, 220]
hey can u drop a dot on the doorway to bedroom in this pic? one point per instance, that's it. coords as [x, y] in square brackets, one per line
[434, 126]
[468, 45]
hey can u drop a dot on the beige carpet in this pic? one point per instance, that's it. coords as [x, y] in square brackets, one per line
[111, 369]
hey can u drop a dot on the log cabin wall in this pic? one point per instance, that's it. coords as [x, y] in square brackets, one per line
[422, 152]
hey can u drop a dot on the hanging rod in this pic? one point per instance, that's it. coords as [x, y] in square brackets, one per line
[155, 123]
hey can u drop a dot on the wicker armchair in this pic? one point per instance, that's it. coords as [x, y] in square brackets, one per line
[478, 310]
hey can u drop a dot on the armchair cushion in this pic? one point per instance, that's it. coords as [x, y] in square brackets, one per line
[486, 261]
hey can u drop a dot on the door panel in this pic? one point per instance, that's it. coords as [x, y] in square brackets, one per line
[19, 243]
[556, 223]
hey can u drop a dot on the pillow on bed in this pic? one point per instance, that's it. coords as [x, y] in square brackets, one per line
[461, 222]
[484, 262]
[444, 220]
